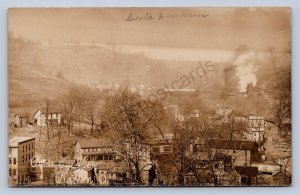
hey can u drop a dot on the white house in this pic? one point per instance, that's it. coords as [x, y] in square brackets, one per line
[257, 127]
[44, 115]
[92, 149]
[21, 120]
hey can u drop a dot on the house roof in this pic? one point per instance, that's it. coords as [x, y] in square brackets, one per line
[232, 144]
[247, 171]
[15, 141]
[160, 140]
[147, 167]
[93, 142]
[49, 110]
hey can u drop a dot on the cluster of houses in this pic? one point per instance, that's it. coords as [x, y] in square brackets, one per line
[40, 117]
[234, 162]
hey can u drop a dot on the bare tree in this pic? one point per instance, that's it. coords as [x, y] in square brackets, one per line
[282, 102]
[195, 158]
[235, 127]
[93, 110]
[130, 119]
[71, 105]
[283, 163]
[184, 132]
[92, 115]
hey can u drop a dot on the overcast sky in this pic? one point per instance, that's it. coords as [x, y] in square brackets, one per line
[217, 28]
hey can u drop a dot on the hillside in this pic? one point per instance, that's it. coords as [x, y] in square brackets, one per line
[35, 70]
[95, 63]
[38, 71]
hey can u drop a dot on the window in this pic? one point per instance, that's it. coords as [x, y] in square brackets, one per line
[14, 172]
[98, 157]
[26, 148]
[167, 148]
[32, 146]
[92, 157]
[10, 172]
[23, 148]
[23, 158]
[254, 134]
[15, 161]
[216, 165]
[259, 123]
[29, 156]
[155, 149]
[105, 157]
[10, 161]
[227, 160]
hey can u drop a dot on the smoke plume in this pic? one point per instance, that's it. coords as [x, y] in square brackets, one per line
[246, 70]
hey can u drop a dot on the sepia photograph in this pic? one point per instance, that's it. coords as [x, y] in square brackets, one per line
[149, 97]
